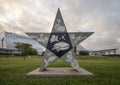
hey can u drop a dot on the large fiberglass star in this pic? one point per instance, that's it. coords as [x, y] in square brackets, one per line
[59, 43]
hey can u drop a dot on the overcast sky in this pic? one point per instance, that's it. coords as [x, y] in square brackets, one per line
[99, 16]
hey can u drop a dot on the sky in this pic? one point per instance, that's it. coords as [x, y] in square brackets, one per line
[99, 16]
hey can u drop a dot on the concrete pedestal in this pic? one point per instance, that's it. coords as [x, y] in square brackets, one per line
[59, 72]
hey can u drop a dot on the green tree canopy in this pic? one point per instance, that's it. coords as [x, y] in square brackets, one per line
[26, 49]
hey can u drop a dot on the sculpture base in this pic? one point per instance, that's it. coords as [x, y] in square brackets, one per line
[59, 72]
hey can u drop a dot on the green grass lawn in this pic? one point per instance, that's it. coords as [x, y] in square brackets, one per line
[107, 70]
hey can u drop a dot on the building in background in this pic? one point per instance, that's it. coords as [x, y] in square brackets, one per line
[103, 52]
[7, 42]
[80, 50]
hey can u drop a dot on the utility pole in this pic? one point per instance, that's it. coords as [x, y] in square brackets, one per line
[2, 42]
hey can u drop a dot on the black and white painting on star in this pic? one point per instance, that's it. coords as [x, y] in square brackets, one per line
[59, 43]
[59, 26]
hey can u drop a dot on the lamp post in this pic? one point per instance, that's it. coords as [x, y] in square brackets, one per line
[2, 42]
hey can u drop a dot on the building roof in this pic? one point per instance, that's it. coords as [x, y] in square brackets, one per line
[11, 38]
[80, 48]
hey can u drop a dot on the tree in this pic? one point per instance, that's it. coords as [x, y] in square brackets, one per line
[26, 49]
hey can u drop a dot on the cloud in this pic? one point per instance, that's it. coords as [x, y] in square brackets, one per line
[99, 16]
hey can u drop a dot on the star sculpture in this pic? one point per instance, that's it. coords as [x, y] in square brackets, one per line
[59, 43]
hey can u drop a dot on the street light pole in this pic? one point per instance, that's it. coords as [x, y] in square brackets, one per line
[2, 42]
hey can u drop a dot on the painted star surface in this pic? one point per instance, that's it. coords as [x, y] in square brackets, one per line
[59, 43]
